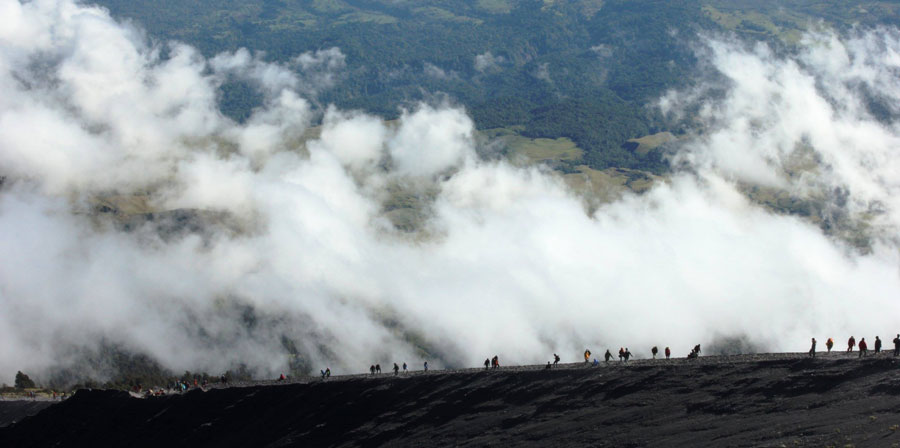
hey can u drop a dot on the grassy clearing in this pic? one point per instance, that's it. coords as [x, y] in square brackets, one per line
[435, 13]
[650, 142]
[123, 204]
[330, 6]
[529, 151]
[787, 26]
[494, 6]
[542, 150]
[603, 186]
[365, 17]
[293, 20]
[595, 186]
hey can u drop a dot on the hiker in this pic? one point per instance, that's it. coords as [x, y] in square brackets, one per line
[851, 343]
[396, 369]
[426, 366]
[877, 345]
[695, 352]
[627, 354]
[587, 355]
[404, 367]
[322, 372]
[548, 366]
[897, 345]
[829, 343]
[812, 350]
[377, 368]
[555, 359]
[654, 351]
[495, 362]
[281, 378]
[668, 352]
[327, 372]
[863, 347]
[372, 369]
[621, 354]
[487, 363]
[608, 355]
[596, 363]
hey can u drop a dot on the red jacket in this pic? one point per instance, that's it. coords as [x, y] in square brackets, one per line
[863, 345]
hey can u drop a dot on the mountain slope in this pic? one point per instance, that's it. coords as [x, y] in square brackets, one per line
[749, 400]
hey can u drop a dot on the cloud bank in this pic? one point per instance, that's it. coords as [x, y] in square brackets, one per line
[290, 251]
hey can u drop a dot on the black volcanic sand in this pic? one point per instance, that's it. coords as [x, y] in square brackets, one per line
[15, 410]
[749, 400]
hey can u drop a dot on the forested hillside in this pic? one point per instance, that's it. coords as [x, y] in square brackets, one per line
[583, 69]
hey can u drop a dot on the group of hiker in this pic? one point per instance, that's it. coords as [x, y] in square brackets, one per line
[376, 369]
[851, 343]
[625, 354]
[494, 362]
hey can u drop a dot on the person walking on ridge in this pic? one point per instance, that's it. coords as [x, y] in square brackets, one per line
[897, 345]
[487, 363]
[812, 350]
[877, 345]
[851, 343]
[829, 343]
[404, 367]
[555, 359]
[863, 347]
[587, 355]
[621, 354]
[607, 356]
[654, 351]
[668, 352]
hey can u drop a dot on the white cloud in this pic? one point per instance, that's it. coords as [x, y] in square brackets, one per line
[433, 71]
[543, 72]
[430, 141]
[508, 264]
[487, 62]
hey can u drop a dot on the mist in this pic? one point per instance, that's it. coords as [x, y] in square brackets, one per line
[292, 246]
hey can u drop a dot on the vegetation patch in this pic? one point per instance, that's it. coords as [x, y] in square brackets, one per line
[650, 142]
[494, 6]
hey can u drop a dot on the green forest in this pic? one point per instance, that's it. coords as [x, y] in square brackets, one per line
[582, 69]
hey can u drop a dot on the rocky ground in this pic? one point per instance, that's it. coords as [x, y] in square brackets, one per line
[12, 411]
[749, 400]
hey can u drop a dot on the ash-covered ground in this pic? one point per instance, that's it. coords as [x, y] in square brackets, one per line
[747, 400]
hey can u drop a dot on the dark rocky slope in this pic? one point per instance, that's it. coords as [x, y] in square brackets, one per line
[15, 410]
[751, 400]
